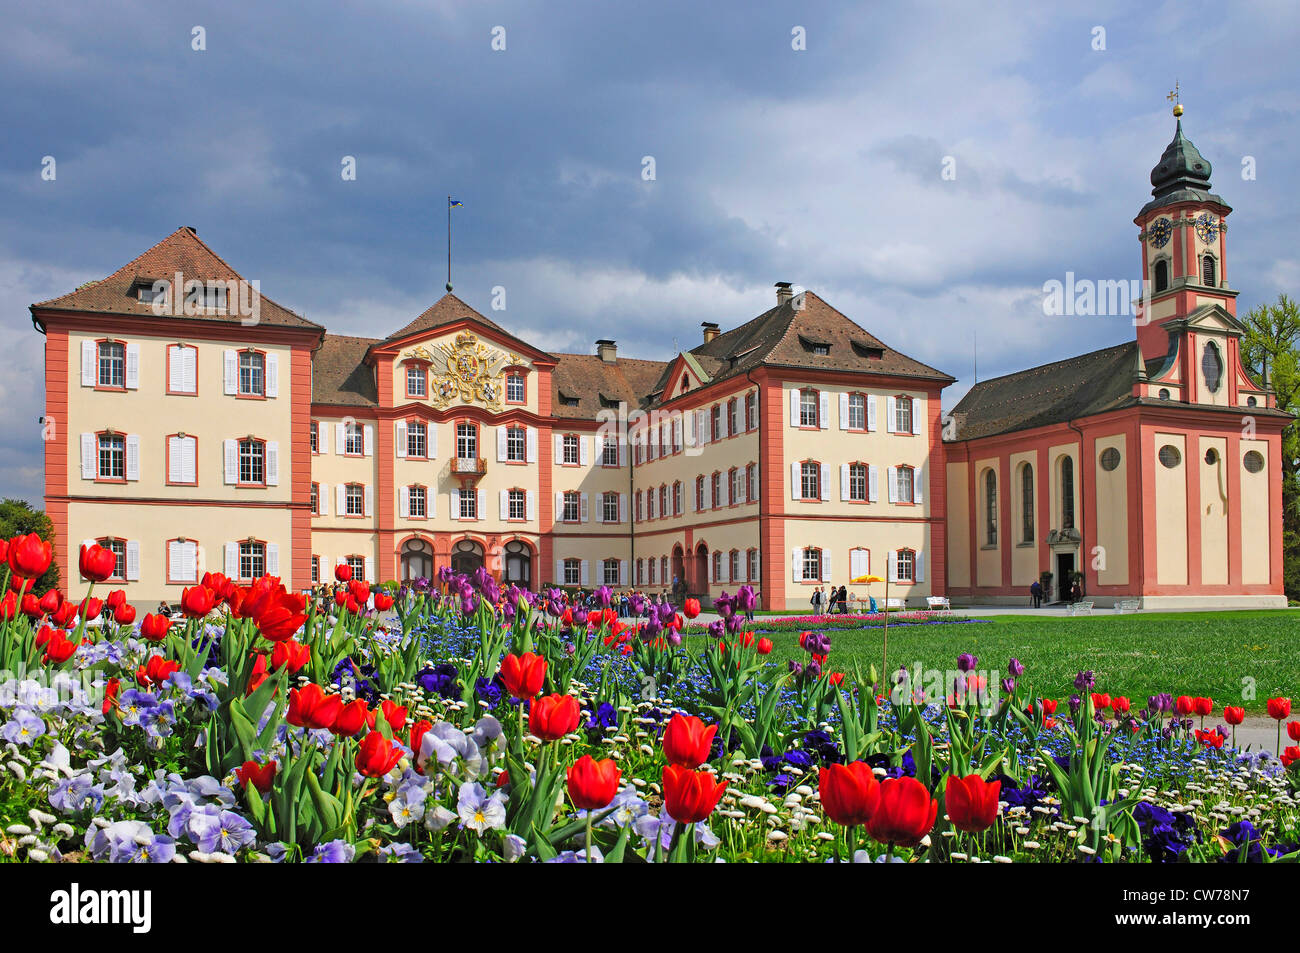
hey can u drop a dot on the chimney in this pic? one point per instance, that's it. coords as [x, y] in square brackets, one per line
[783, 293]
[607, 351]
[710, 330]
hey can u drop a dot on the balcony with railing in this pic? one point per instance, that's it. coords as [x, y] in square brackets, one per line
[471, 468]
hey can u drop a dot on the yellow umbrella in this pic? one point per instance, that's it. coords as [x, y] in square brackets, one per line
[884, 664]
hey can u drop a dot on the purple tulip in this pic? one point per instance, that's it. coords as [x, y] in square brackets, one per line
[1015, 669]
[967, 662]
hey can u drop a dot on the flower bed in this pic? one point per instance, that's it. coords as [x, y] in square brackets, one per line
[491, 724]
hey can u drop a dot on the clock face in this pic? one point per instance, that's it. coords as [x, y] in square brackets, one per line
[1207, 229]
[1159, 232]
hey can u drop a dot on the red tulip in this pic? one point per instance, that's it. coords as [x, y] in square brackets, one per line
[593, 784]
[260, 776]
[764, 646]
[30, 555]
[59, 649]
[1203, 706]
[111, 691]
[1184, 704]
[394, 714]
[849, 793]
[691, 608]
[1293, 730]
[360, 591]
[835, 678]
[51, 601]
[971, 802]
[197, 601]
[156, 670]
[1211, 739]
[64, 614]
[376, 755]
[1100, 702]
[310, 707]
[291, 655]
[1233, 715]
[1120, 704]
[351, 718]
[115, 598]
[690, 796]
[154, 627]
[30, 606]
[523, 675]
[1290, 756]
[553, 716]
[96, 562]
[417, 736]
[1049, 706]
[90, 608]
[353, 606]
[4, 550]
[125, 614]
[257, 676]
[904, 814]
[281, 617]
[1279, 709]
[687, 742]
[342, 572]
[383, 601]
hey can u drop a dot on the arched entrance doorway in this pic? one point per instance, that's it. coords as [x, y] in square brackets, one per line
[517, 564]
[700, 582]
[417, 560]
[466, 557]
[679, 567]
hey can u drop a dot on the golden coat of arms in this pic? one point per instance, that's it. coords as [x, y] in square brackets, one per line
[466, 369]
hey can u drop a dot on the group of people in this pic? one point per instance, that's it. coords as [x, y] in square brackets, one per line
[1037, 593]
[836, 601]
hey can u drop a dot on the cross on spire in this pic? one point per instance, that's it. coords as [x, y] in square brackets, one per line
[1174, 97]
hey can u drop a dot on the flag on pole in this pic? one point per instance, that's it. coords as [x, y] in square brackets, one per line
[455, 204]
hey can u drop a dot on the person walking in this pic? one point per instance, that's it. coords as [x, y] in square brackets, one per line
[1036, 591]
[817, 601]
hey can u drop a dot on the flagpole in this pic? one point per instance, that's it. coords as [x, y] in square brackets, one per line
[448, 243]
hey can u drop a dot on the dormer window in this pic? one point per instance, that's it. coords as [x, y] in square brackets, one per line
[870, 351]
[569, 400]
[814, 346]
[151, 292]
[821, 349]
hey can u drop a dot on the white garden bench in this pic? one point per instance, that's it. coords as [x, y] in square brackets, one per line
[895, 603]
[1079, 608]
[938, 603]
[1127, 605]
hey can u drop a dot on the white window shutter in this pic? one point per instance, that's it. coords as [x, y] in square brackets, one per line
[918, 561]
[622, 507]
[690, 428]
[584, 449]
[844, 411]
[796, 487]
[531, 504]
[873, 483]
[189, 460]
[559, 572]
[844, 481]
[368, 440]
[404, 502]
[501, 444]
[399, 437]
[796, 564]
[431, 439]
[368, 497]
[232, 560]
[340, 439]
[559, 506]
[559, 448]
[132, 561]
[891, 413]
[431, 502]
[893, 484]
[231, 448]
[826, 482]
[758, 483]
[190, 379]
[622, 572]
[918, 415]
[600, 447]
[323, 498]
[826, 565]
[272, 380]
[722, 422]
[481, 509]
[132, 376]
[174, 461]
[455, 504]
[132, 456]
[723, 491]
[370, 569]
[893, 566]
[505, 505]
[341, 499]
[272, 463]
[794, 407]
[89, 364]
[918, 485]
[871, 411]
[89, 456]
[174, 559]
[586, 577]
[273, 559]
[532, 444]
[583, 516]
[724, 568]
[231, 365]
[708, 493]
[824, 410]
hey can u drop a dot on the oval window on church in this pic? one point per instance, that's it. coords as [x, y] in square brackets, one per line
[1170, 457]
[1212, 367]
[1253, 461]
[1109, 459]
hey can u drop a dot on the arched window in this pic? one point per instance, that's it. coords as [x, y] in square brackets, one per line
[1162, 275]
[1027, 501]
[990, 508]
[1208, 272]
[1067, 493]
[1212, 367]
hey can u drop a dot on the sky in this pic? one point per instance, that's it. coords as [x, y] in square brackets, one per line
[925, 168]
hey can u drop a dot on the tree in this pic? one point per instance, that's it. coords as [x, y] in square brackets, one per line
[17, 517]
[1271, 346]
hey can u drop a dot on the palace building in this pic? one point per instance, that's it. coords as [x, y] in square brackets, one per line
[198, 425]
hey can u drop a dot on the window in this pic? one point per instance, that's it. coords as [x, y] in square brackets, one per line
[1207, 272]
[1252, 402]
[417, 440]
[715, 487]
[906, 566]
[516, 445]
[649, 504]
[735, 489]
[751, 478]
[663, 568]
[717, 566]
[858, 482]
[467, 441]
[313, 436]
[1211, 456]
[252, 560]
[517, 505]
[990, 508]
[1170, 456]
[609, 571]
[112, 364]
[736, 573]
[609, 452]
[1212, 367]
[751, 410]
[468, 505]
[1162, 275]
[609, 507]
[315, 570]
[653, 570]
[354, 443]
[906, 481]
[812, 565]
[417, 501]
[677, 498]
[572, 572]
[639, 510]
[315, 499]
[857, 411]
[640, 572]
[354, 501]
[1253, 461]
[903, 415]
[571, 450]
[715, 422]
[358, 566]
[809, 405]
[1027, 503]
[514, 388]
[415, 380]
[252, 463]
[1109, 459]
[112, 456]
[663, 501]
[212, 297]
[1164, 393]
[753, 565]
[677, 435]
[733, 417]
[572, 512]
[1067, 493]
[118, 548]
[148, 294]
[252, 374]
[821, 349]
[699, 492]
[810, 480]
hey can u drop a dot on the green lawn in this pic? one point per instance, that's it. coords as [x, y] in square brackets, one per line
[1217, 654]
